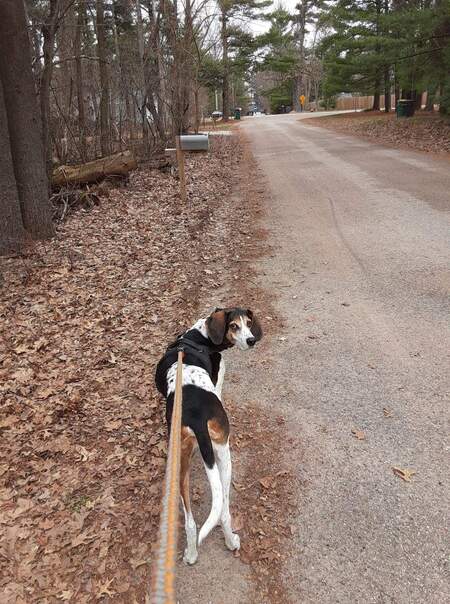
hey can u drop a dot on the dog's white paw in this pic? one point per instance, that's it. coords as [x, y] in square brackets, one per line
[190, 558]
[233, 542]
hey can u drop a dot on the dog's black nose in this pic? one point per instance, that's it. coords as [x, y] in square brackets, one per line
[251, 341]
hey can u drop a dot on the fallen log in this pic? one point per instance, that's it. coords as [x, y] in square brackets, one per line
[120, 164]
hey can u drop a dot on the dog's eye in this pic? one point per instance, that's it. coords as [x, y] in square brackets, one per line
[234, 327]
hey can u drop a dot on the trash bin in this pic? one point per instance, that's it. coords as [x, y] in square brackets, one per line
[405, 108]
[237, 113]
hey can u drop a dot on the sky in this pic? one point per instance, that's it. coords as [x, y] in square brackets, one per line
[259, 27]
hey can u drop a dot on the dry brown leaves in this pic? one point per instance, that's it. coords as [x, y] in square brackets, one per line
[358, 434]
[266, 505]
[404, 473]
[424, 132]
[85, 318]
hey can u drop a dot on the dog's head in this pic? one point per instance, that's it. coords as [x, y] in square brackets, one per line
[228, 327]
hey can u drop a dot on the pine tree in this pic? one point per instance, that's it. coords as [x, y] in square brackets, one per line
[229, 10]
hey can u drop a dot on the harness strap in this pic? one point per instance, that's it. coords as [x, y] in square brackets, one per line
[202, 352]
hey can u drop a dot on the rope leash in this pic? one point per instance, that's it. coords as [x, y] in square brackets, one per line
[163, 577]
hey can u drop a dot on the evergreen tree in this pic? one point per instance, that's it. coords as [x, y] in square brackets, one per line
[234, 10]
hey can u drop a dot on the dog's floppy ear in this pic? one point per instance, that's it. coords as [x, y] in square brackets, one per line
[255, 327]
[216, 325]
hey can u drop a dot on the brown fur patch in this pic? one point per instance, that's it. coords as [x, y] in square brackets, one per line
[218, 432]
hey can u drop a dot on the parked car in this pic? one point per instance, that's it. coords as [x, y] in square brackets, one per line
[216, 115]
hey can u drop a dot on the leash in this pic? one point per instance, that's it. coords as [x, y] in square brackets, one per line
[163, 577]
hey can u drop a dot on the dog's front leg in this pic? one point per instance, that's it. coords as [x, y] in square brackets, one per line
[222, 453]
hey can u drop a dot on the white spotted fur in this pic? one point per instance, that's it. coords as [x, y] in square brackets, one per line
[192, 376]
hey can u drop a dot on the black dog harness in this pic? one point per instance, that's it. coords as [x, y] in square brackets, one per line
[202, 352]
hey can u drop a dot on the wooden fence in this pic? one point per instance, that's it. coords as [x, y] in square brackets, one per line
[360, 102]
[366, 102]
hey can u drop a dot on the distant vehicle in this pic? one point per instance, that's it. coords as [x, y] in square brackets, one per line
[216, 115]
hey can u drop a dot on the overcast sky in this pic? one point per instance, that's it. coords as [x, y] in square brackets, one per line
[259, 27]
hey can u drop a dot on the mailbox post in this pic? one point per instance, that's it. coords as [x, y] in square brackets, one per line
[188, 143]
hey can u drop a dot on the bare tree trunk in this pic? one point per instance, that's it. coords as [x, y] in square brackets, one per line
[187, 71]
[430, 99]
[49, 32]
[226, 66]
[155, 92]
[141, 50]
[376, 95]
[173, 39]
[24, 124]
[81, 19]
[377, 82]
[298, 88]
[197, 108]
[12, 232]
[387, 90]
[387, 71]
[105, 138]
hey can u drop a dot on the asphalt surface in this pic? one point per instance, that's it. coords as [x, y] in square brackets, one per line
[359, 271]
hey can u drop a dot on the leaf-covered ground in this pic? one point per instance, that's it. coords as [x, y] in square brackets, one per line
[84, 319]
[423, 132]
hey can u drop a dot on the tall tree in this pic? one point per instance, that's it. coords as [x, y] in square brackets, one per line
[12, 232]
[49, 28]
[24, 124]
[77, 48]
[241, 10]
[105, 135]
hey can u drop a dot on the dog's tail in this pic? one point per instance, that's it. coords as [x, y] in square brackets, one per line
[213, 474]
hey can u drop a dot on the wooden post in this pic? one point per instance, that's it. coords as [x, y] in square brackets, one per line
[181, 171]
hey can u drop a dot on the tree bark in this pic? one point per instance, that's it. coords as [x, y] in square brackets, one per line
[387, 71]
[188, 72]
[387, 91]
[12, 232]
[105, 139]
[376, 95]
[155, 91]
[24, 124]
[225, 67]
[141, 51]
[48, 49]
[81, 18]
[298, 87]
[119, 164]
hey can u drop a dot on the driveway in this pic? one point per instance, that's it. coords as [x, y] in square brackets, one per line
[359, 269]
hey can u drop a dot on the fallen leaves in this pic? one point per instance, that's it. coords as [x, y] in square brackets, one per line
[403, 473]
[84, 320]
[424, 132]
[359, 434]
[104, 589]
[237, 522]
[266, 482]
[265, 505]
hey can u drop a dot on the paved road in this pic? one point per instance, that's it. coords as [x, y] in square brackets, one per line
[360, 268]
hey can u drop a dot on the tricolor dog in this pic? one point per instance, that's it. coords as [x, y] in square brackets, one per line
[204, 422]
